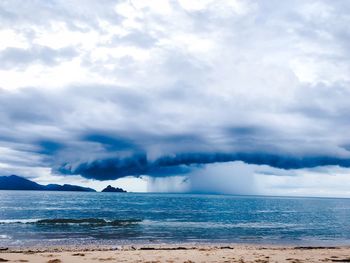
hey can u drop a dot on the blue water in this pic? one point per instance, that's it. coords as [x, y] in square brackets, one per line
[169, 218]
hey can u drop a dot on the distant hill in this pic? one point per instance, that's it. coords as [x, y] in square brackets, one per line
[14, 182]
[68, 187]
[111, 189]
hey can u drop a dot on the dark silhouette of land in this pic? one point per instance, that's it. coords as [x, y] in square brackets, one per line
[14, 182]
[111, 189]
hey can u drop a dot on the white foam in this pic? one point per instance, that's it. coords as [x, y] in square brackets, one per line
[19, 221]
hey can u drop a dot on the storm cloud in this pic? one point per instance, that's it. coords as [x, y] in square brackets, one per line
[114, 168]
[167, 88]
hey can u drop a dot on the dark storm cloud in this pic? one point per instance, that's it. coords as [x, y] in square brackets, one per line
[114, 168]
[274, 160]
[49, 147]
[110, 142]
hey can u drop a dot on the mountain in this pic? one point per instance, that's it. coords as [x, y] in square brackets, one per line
[14, 182]
[68, 187]
[111, 189]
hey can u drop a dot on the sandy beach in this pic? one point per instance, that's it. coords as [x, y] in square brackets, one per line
[183, 254]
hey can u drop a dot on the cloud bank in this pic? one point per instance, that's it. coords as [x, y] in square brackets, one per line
[171, 88]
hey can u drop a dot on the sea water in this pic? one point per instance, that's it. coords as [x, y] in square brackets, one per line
[30, 218]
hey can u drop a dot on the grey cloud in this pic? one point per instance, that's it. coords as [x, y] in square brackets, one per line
[20, 57]
[179, 108]
[114, 151]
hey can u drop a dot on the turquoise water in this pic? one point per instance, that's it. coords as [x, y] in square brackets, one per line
[55, 218]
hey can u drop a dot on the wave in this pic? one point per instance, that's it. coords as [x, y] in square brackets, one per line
[248, 225]
[18, 221]
[71, 221]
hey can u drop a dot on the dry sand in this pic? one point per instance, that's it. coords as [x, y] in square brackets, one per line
[168, 254]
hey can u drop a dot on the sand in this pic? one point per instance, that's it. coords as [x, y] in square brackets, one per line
[183, 254]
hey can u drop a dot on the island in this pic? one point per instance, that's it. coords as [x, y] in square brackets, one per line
[111, 189]
[14, 182]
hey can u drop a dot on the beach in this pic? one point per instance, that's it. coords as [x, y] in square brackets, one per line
[177, 253]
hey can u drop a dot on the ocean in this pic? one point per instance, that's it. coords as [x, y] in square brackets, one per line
[30, 218]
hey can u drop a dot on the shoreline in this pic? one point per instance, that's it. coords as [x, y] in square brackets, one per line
[167, 246]
[178, 253]
[162, 246]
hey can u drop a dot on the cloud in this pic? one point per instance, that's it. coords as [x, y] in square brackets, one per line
[136, 88]
[18, 57]
[114, 168]
[136, 165]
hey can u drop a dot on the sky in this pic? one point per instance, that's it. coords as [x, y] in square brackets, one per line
[201, 96]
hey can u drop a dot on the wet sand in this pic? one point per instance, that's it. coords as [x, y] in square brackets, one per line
[183, 254]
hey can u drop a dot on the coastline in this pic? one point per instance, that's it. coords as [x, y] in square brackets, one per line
[178, 253]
